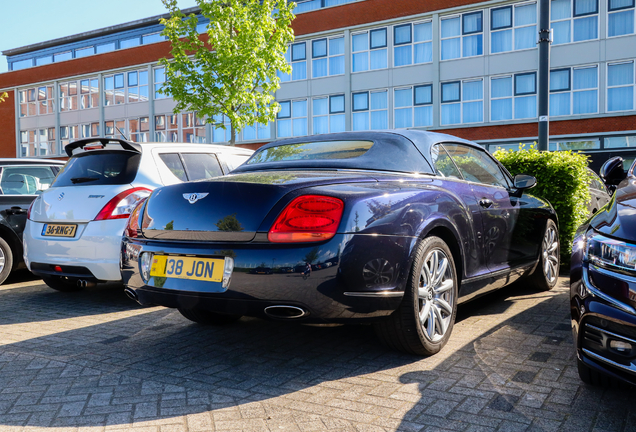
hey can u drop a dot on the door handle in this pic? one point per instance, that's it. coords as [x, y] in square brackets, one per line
[485, 202]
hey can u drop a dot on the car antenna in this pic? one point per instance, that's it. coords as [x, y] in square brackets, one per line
[121, 133]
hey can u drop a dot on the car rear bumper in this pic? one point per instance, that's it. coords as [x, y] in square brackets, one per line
[95, 247]
[345, 289]
[599, 321]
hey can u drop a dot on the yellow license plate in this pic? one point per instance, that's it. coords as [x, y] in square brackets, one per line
[59, 230]
[193, 268]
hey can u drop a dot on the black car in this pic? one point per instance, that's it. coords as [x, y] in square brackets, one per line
[412, 222]
[603, 284]
[21, 180]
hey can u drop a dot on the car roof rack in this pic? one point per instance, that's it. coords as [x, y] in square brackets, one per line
[126, 145]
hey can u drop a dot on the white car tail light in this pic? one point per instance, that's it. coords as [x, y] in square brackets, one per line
[123, 204]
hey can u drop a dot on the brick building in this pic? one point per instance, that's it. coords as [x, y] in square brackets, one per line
[460, 66]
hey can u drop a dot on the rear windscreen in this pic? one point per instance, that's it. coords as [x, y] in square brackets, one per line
[101, 167]
[320, 150]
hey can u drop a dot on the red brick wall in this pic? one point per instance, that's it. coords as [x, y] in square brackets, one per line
[7, 126]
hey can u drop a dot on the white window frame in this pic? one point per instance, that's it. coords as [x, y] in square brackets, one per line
[571, 90]
[289, 59]
[124, 90]
[413, 105]
[461, 35]
[512, 27]
[514, 95]
[330, 113]
[461, 100]
[370, 48]
[369, 110]
[412, 43]
[617, 11]
[291, 116]
[572, 18]
[90, 93]
[329, 56]
[633, 85]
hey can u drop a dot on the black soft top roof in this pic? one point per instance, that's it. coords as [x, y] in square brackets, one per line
[394, 150]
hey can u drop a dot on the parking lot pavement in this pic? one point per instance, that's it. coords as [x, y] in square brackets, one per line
[95, 361]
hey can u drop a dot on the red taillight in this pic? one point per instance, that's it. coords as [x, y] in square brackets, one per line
[123, 204]
[30, 207]
[308, 218]
[132, 228]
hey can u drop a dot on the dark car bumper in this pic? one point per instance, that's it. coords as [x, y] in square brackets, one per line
[364, 280]
[599, 318]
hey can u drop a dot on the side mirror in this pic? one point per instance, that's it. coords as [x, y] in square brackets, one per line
[612, 172]
[522, 182]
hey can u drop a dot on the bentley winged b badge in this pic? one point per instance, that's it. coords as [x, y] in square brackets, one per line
[194, 197]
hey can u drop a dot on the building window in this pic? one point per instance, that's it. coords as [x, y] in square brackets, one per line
[620, 17]
[21, 64]
[574, 20]
[68, 96]
[259, 131]
[104, 48]
[327, 57]
[513, 28]
[590, 144]
[89, 92]
[43, 60]
[462, 36]
[192, 128]
[369, 50]
[36, 101]
[139, 129]
[328, 114]
[159, 80]
[126, 86]
[115, 129]
[574, 91]
[84, 52]
[152, 38]
[68, 134]
[412, 43]
[167, 128]
[68, 55]
[220, 134]
[513, 96]
[38, 142]
[138, 86]
[89, 130]
[129, 43]
[296, 55]
[413, 106]
[620, 86]
[620, 141]
[370, 110]
[462, 102]
[292, 118]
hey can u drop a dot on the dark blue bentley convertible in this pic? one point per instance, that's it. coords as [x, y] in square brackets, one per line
[394, 228]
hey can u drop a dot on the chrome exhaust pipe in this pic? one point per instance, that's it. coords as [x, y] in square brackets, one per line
[131, 294]
[285, 312]
[81, 283]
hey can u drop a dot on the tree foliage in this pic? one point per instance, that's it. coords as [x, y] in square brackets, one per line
[3, 96]
[233, 74]
[562, 179]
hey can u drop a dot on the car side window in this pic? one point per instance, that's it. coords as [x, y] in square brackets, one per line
[173, 162]
[201, 165]
[23, 180]
[443, 164]
[476, 165]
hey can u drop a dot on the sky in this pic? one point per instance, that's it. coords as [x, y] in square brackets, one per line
[25, 22]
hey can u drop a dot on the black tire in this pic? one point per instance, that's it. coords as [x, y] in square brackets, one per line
[201, 316]
[61, 284]
[6, 260]
[404, 330]
[546, 275]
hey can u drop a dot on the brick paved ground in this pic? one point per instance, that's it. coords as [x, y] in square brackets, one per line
[95, 361]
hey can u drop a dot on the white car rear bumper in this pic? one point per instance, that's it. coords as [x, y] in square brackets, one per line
[96, 247]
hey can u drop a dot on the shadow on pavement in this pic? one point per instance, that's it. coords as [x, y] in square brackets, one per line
[150, 364]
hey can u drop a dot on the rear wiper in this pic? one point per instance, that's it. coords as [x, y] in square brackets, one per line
[76, 180]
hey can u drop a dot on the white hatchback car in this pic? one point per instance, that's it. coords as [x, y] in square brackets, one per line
[73, 234]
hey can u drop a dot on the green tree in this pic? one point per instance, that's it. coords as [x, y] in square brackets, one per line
[3, 96]
[233, 74]
[312, 255]
[229, 223]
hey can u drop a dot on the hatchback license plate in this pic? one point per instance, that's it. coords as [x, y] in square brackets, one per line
[192, 268]
[59, 230]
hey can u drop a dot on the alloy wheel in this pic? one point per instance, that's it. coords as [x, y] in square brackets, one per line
[2, 259]
[550, 249]
[436, 295]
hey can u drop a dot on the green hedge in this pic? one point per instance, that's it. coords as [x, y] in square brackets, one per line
[561, 179]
